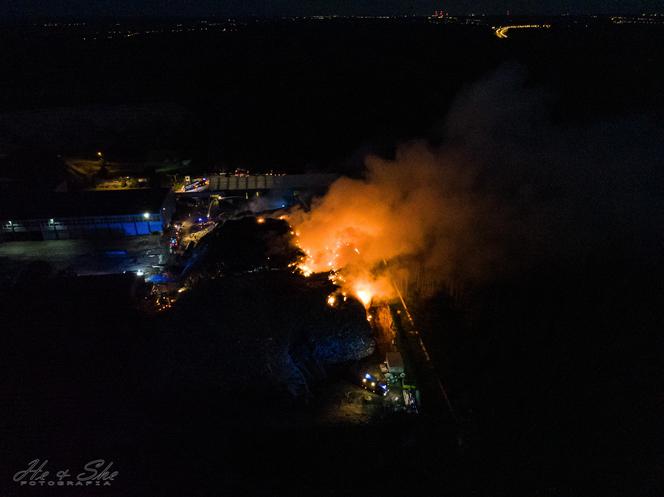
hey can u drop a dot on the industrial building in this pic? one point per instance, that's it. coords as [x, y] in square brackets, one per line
[87, 214]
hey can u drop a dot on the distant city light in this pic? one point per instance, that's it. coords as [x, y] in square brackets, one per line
[146, 215]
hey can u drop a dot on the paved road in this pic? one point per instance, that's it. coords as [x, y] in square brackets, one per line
[84, 257]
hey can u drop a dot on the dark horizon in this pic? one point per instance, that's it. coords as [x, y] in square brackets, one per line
[35, 20]
[75, 9]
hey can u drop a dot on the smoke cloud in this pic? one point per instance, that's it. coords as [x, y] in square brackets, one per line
[508, 189]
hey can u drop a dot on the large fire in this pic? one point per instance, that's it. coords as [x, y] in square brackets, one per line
[413, 211]
[343, 260]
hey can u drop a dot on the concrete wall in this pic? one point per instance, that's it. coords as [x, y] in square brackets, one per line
[269, 182]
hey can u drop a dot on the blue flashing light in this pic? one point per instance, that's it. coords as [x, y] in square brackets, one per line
[159, 278]
[116, 253]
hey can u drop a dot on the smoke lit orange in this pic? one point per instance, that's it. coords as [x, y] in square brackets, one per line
[414, 212]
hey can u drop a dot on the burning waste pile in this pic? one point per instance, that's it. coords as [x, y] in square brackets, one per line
[409, 212]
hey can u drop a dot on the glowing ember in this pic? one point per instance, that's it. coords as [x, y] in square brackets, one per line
[364, 296]
[306, 270]
[331, 300]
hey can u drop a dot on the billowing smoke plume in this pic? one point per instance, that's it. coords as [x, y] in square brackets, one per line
[506, 190]
[416, 207]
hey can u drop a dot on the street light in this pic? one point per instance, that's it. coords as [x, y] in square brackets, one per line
[146, 215]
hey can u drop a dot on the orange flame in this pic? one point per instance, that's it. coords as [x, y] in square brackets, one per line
[364, 295]
[352, 277]
[347, 269]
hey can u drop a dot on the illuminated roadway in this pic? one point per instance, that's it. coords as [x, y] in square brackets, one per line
[501, 31]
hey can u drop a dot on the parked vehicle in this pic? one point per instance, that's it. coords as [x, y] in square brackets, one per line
[373, 384]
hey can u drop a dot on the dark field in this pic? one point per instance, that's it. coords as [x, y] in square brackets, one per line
[301, 95]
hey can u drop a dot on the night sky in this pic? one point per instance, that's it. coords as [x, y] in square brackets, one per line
[92, 8]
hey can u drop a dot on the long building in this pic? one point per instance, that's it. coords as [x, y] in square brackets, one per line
[89, 214]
